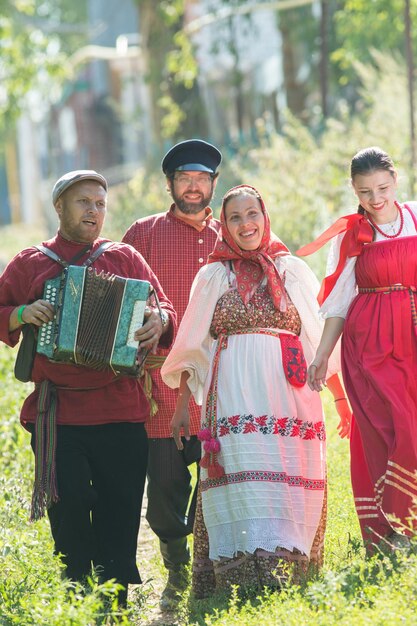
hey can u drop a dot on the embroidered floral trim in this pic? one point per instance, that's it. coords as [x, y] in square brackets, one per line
[263, 476]
[270, 425]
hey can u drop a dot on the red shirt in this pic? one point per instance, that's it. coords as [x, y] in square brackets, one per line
[175, 251]
[90, 397]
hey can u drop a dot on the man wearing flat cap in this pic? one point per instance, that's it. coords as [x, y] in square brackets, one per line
[87, 425]
[176, 244]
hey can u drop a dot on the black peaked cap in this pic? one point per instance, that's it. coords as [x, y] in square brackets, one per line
[192, 155]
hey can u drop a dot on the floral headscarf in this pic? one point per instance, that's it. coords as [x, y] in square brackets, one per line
[250, 266]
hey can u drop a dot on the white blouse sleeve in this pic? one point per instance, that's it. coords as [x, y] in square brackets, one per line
[302, 287]
[412, 204]
[192, 347]
[340, 298]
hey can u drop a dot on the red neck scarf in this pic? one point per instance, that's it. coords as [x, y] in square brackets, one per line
[250, 266]
[358, 232]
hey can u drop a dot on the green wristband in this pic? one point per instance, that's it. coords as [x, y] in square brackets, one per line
[19, 314]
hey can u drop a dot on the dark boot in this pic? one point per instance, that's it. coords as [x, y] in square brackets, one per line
[175, 552]
[178, 580]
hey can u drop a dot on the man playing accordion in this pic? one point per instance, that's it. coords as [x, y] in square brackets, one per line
[87, 425]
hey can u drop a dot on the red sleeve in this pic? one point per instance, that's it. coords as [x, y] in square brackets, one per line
[19, 284]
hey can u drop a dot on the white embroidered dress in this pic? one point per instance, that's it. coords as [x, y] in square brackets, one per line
[271, 433]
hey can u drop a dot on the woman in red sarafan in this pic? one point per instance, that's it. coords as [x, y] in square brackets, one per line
[369, 294]
[252, 314]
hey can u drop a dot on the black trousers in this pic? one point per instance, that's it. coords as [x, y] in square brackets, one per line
[101, 473]
[169, 491]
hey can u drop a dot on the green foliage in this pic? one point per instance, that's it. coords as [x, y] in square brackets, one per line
[304, 176]
[31, 53]
[14, 238]
[143, 195]
[181, 62]
[170, 70]
[364, 25]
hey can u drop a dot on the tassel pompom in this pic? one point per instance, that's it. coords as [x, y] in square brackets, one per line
[205, 460]
[204, 434]
[215, 470]
[214, 445]
[209, 460]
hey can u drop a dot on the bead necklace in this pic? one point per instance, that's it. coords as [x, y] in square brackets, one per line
[395, 235]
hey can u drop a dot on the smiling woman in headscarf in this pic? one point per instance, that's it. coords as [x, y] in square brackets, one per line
[241, 350]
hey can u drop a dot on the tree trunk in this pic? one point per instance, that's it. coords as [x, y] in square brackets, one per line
[324, 53]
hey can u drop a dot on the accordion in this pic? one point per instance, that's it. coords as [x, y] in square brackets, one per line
[96, 317]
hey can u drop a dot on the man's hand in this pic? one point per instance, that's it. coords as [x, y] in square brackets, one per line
[37, 313]
[149, 334]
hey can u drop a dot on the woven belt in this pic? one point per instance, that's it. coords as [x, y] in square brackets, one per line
[45, 489]
[390, 289]
[153, 361]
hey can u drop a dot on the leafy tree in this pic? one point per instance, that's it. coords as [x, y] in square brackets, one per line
[299, 29]
[33, 43]
[170, 70]
[362, 26]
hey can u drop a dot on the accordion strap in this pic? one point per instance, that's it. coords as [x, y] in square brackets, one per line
[55, 257]
[102, 248]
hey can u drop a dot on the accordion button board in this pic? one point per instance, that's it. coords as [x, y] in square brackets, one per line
[96, 317]
[46, 332]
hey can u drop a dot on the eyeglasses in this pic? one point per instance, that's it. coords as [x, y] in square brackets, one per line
[201, 180]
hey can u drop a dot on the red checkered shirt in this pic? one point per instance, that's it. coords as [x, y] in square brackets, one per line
[175, 251]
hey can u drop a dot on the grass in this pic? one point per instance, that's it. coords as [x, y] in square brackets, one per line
[350, 589]
[15, 237]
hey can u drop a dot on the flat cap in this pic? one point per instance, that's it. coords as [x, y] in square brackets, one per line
[192, 155]
[70, 178]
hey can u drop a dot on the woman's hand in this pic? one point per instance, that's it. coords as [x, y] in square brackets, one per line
[316, 375]
[345, 414]
[181, 419]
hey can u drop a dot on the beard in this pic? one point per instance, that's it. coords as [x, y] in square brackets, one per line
[192, 208]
